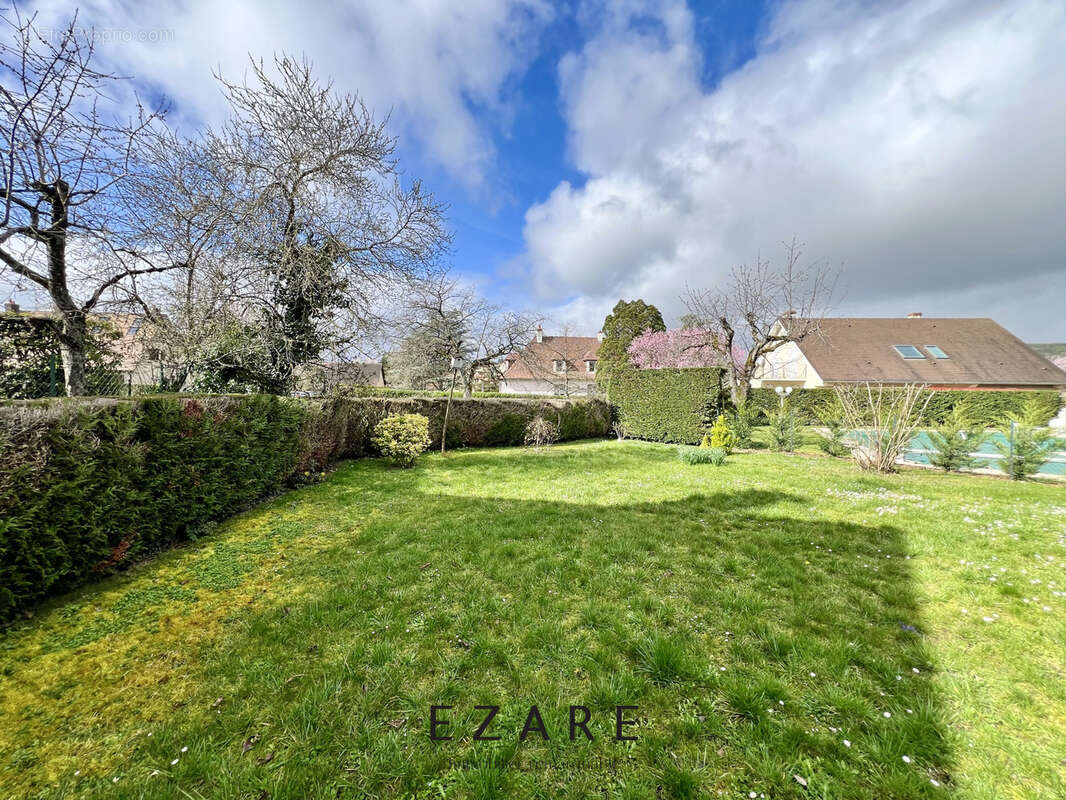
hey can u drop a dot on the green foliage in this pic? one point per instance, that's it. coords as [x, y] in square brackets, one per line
[402, 438]
[1026, 449]
[986, 408]
[953, 442]
[88, 485]
[29, 351]
[702, 455]
[667, 405]
[627, 320]
[831, 441]
[742, 423]
[784, 429]
[540, 433]
[721, 436]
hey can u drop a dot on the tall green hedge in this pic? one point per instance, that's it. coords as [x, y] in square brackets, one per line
[88, 485]
[667, 405]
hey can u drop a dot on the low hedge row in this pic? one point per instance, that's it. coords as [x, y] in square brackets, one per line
[88, 485]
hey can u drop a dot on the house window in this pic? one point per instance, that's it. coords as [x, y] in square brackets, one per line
[136, 326]
[590, 366]
[559, 365]
[908, 351]
[935, 351]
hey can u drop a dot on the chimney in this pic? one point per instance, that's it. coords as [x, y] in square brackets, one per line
[540, 334]
[790, 314]
[599, 336]
[915, 315]
[11, 306]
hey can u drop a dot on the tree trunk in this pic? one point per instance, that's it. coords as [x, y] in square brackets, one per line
[738, 391]
[73, 338]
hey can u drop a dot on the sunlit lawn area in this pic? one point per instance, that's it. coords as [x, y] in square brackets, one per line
[778, 621]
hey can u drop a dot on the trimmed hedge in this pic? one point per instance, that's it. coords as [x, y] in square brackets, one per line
[680, 405]
[86, 486]
[667, 405]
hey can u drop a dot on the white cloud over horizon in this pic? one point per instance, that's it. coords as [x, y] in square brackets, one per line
[917, 143]
[431, 64]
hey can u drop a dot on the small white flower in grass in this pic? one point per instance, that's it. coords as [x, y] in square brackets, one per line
[899, 677]
[906, 759]
[887, 715]
[752, 794]
[915, 670]
[964, 611]
[988, 619]
[77, 772]
[185, 749]
[934, 781]
[722, 669]
[847, 743]
[814, 675]
[780, 702]
[175, 761]
[909, 711]
[115, 779]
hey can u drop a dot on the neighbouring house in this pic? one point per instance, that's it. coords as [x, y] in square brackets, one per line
[324, 376]
[945, 353]
[561, 365]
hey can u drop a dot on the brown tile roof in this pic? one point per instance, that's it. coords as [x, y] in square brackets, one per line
[535, 360]
[980, 352]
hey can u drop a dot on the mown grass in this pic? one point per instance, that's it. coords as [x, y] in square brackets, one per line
[775, 617]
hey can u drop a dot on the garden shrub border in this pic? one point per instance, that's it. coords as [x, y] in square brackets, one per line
[679, 406]
[89, 485]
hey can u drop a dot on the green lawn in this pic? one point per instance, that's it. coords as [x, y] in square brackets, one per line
[781, 616]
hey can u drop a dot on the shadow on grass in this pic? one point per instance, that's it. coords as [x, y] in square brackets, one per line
[757, 642]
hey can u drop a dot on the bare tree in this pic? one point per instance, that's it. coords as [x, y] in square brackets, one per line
[326, 212]
[291, 227]
[455, 321]
[181, 209]
[63, 159]
[882, 421]
[760, 309]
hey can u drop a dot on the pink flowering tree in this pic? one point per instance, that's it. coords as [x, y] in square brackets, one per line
[674, 349]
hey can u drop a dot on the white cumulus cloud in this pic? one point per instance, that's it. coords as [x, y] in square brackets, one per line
[919, 143]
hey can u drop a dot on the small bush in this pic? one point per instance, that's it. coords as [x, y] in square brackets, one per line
[953, 442]
[742, 423]
[721, 437]
[540, 433]
[832, 440]
[1032, 448]
[402, 438]
[702, 455]
[784, 436]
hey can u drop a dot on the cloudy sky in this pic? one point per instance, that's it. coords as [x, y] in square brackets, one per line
[597, 150]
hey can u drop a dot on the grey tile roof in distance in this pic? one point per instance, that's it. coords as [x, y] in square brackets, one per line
[980, 352]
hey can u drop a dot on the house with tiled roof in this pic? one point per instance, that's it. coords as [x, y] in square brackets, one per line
[559, 365]
[943, 353]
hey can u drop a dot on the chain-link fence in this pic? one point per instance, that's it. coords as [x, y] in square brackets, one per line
[31, 379]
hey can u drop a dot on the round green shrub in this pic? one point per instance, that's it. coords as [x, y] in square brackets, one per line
[402, 438]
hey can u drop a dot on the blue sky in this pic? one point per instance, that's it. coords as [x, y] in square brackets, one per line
[592, 150]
